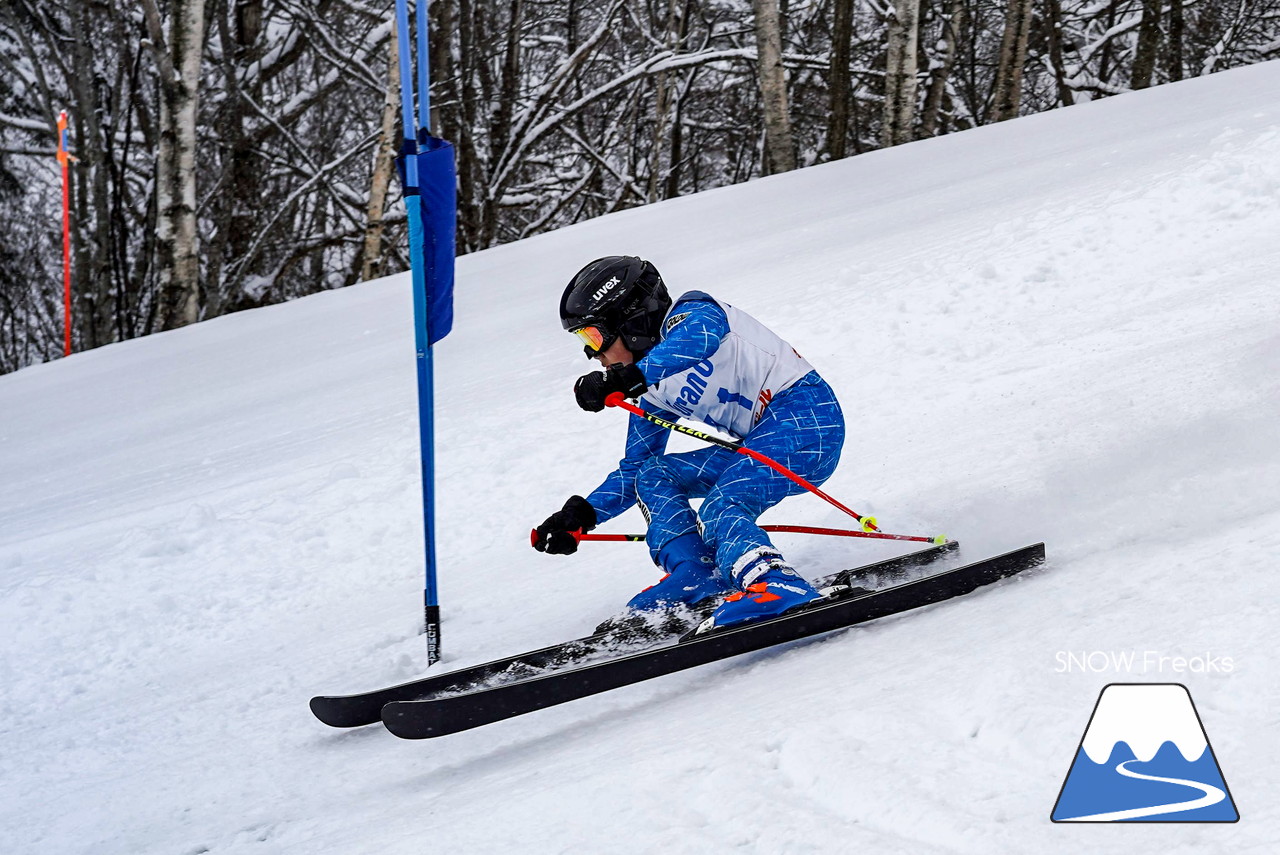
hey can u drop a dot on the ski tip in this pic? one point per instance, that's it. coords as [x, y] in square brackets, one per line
[322, 709]
[346, 711]
[409, 720]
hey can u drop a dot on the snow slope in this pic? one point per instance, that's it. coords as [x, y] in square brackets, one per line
[1061, 328]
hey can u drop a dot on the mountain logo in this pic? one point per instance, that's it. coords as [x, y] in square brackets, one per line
[1145, 757]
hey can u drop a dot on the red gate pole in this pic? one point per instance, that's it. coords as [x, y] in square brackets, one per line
[64, 158]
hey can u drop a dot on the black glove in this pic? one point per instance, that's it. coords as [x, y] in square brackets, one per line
[554, 535]
[591, 389]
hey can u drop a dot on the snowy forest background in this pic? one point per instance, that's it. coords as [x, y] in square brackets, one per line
[236, 153]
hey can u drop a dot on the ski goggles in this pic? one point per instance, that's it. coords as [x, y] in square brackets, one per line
[594, 338]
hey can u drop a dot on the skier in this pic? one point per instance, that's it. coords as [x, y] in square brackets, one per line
[706, 360]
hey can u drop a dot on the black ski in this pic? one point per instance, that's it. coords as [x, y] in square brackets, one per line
[366, 708]
[451, 714]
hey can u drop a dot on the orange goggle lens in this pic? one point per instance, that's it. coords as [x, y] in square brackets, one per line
[592, 337]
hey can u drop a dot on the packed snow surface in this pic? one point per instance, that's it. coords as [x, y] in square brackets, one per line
[1062, 328]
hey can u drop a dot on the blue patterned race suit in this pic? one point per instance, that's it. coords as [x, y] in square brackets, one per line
[709, 367]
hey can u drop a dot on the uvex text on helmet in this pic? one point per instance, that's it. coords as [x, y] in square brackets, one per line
[623, 295]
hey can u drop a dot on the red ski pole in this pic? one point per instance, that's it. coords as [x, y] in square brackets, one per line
[795, 529]
[617, 399]
[843, 532]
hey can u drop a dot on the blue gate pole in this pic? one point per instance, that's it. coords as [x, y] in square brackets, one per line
[424, 68]
[409, 151]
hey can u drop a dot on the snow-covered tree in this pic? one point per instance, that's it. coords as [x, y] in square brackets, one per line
[250, 163]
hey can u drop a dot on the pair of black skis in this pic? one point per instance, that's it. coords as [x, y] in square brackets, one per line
[483, 694]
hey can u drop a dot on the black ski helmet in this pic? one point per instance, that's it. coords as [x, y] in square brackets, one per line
[620, 295]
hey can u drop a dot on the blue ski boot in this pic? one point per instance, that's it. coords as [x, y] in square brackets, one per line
[770, 587]
[691, 577]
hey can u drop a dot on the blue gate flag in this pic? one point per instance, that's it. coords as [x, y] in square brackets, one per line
[438, 196]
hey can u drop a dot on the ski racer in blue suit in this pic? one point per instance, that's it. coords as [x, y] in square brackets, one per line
[704, 360]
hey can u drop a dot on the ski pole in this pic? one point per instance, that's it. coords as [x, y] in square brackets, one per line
[617, 399]
[794, 529]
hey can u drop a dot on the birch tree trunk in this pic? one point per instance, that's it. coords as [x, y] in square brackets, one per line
[1013, 56]
[901, 65]
[780, 155]
[178, 57]
[371, 266]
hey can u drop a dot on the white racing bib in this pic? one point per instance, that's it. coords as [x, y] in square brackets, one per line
[730, 389]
